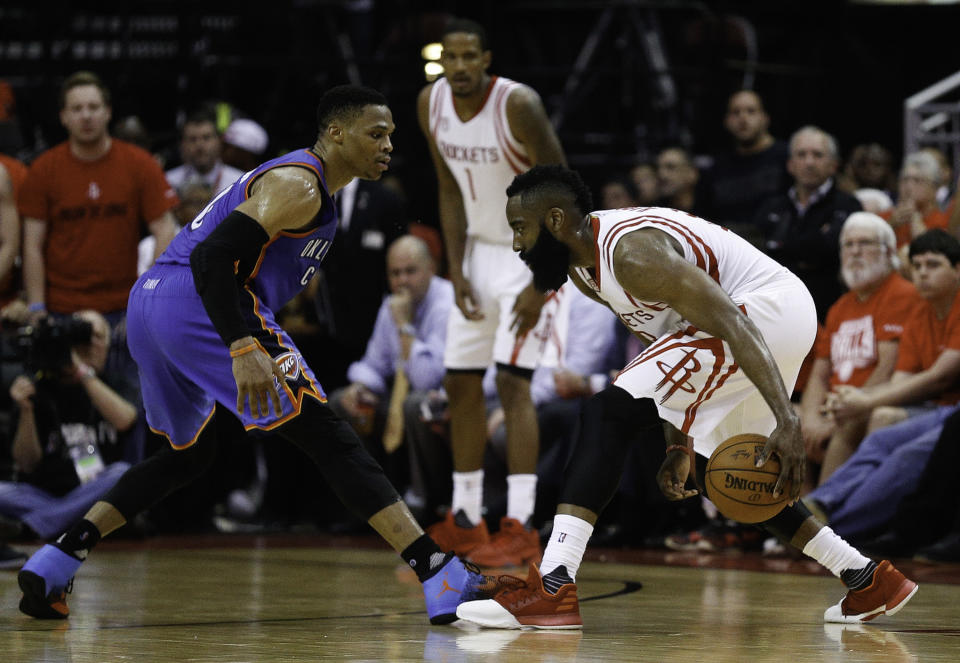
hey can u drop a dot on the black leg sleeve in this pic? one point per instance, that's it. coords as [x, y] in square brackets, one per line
[786, 523]
[152, 479]
[347, 466]
[610, 422]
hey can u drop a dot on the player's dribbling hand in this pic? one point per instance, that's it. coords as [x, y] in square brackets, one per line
[672, 476]
[254, 373]
[787, 442]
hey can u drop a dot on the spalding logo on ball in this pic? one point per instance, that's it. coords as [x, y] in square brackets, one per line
[739, 489]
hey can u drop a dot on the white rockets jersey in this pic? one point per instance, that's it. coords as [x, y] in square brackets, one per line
[735, 264]
[483, 155]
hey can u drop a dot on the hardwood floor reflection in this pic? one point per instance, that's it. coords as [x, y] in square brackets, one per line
[299, 599]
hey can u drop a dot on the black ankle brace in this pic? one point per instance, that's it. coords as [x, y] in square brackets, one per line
[79, 540]
[424, 557]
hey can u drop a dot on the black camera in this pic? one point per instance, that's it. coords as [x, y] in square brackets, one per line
[46, 344]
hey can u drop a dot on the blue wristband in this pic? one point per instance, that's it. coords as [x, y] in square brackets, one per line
[37, 306]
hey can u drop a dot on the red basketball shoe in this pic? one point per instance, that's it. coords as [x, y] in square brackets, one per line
[512, 545]
[457, 534]
[887, 593]
[528, 605]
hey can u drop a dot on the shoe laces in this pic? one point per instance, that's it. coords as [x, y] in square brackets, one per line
[471, 567]
[504, 579]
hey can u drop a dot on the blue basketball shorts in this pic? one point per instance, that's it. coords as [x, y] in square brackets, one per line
[185, 369]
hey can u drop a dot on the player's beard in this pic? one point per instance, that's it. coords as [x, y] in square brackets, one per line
[549, 260]
[860, 277]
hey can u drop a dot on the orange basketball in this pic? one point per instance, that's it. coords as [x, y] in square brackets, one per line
[739, 489]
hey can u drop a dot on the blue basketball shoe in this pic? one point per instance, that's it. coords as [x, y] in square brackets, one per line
[46, 579]
[458, 581]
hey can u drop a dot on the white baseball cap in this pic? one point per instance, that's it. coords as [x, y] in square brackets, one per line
[247, 135]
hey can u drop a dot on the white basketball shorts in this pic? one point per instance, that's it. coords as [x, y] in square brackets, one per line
[698, 386]
[498, 275]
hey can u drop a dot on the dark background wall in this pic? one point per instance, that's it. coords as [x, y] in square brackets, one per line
[844, 66]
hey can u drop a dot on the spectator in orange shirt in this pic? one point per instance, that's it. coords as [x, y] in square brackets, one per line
[928, 361]
[83, 203]
[858, 344]
[917, 210]
[864, 492]
[12, 174]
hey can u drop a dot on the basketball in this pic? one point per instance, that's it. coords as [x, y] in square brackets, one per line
[739, 489]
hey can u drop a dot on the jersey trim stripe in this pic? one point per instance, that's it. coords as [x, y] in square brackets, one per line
[195, 437]
[700, 248]
[486, 97]
[595, 222]
[263, 324]
[504, 135]
[706, 259]
[299, 164]
[437, 99]
[610, 241]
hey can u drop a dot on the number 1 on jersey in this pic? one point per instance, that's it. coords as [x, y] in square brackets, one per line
[473, 193]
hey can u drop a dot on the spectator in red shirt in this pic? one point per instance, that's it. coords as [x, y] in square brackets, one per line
[83, 203]
[858, 344]
[864, 492]
[917, 209]
[12, 175]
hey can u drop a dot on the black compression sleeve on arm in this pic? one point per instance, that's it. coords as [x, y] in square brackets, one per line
[238, 241]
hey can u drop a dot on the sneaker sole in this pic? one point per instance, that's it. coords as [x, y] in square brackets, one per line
[487, 613]
[901, 597]
[906, 597]
[552, 624]
[446, 618]
[491, 614]
[34, 602]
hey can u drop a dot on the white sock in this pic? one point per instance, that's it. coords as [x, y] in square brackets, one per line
[468, 494]
[521, 496]
[834, 553]
[568, 542]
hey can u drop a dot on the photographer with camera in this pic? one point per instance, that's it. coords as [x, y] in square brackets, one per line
[69, 424]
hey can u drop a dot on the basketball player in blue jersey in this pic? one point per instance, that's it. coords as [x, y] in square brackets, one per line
[201, 327]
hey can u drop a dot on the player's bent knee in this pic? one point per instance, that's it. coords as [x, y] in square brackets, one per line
[614, 403]
[341, 457]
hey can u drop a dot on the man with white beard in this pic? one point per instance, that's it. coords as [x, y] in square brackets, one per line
[924, 390]
[858, 344]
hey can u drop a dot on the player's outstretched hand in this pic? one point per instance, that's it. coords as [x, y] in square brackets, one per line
[787, 442]
[526, 310]
[254, 372]
[672, 476]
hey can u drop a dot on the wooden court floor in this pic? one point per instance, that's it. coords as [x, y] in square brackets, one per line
[286, 599]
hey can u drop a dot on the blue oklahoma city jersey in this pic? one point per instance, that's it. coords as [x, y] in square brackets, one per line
[185, 369]
[289, 260]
